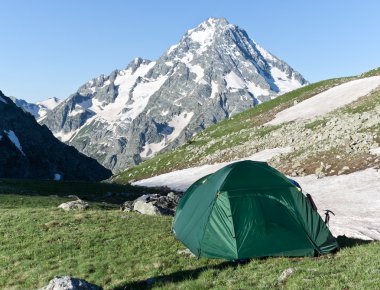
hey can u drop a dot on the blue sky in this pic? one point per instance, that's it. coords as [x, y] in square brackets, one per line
[50, 48]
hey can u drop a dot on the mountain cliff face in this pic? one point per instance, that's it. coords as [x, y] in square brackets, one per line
[214, 72]
[28, 150]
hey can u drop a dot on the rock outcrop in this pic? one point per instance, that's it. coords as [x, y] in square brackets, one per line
[154, 204]
[70, 283]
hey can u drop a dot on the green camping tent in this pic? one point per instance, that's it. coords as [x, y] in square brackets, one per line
[248, 209]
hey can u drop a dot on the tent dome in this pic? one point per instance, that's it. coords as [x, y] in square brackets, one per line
[248, 209]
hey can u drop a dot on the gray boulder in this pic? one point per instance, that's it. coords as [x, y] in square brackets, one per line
[74, 205]
[154, 204]
[145, 205]
[70, 283]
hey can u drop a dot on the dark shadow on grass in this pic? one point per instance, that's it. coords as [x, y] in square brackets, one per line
[100, 192]
[175, 277]
[346, 242]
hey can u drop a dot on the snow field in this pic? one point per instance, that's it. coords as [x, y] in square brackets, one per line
[327, 101]
[354, 198]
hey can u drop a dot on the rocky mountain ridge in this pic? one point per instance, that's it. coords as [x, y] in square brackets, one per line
[214, 72]
[29, 150]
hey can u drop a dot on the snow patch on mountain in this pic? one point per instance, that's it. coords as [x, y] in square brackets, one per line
[177, 125]
[283, 81]
[198, 71]
[2, 100]
[39, 109]
[50, 103]
[203, 34]
[375, 151]
[257, 90]
[328, 101]
[214, 89]
[234, 81]
[14, 139]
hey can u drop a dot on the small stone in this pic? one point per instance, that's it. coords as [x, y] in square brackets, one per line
[186, 252]
[286, 274]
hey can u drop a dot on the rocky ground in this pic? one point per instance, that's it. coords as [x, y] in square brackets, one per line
[336, 143]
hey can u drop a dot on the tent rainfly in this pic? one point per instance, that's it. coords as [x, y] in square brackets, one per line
[248, 209]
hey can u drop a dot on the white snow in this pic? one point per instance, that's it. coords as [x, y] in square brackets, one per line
[178, 123]
[327, 101]
[63, 136]
[141, 95]
[284, 82]
[256, 90]
[12, 136]
[264, 52]
[3, 100]
[77, 110]
[173, 47]
[234, 81]
[214, 90]
[182, 179]
[126, 81]
[203, 34]
[197, 70]
[354, 198]
[50, 103]
[375, 151]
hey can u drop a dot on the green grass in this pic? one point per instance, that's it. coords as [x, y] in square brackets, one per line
[315, 124]
[371, 73]
[363, 104]
[122, 250]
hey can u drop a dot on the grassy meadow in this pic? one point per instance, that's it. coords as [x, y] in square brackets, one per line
[119, 250]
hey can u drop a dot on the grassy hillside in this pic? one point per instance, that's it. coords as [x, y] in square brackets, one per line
[244, 134]
[130, 251]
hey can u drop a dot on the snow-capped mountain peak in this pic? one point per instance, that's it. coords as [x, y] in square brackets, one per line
[214, 71]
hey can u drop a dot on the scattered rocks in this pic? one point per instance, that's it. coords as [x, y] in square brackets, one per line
[70, 283]
[127, 206]
[146, 205]
[286, 274]
[74, 205]
[344, 169]
[186, 252]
